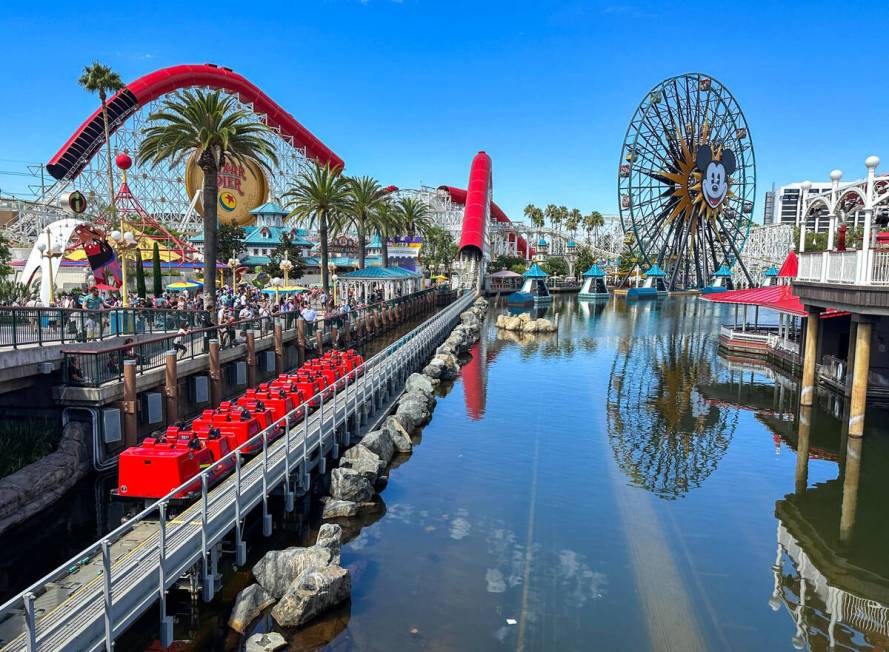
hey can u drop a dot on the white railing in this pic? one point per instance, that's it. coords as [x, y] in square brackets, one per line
[130, 582]
[841, 266]
[809, 266]
[879, 269]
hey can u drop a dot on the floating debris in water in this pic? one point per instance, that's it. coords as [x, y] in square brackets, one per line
[496, 583]
[511, 621]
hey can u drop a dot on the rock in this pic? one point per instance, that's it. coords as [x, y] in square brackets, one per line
[338, 508]
[398, 434]
[265, 642]
[330, 537]
[279, 568]
[529, 327]
[365, 461]
[432, 371]
[412, 412]
[249, 604]
[349, 484]
[311, 594]
[378, 442]
[418, 382]
[524, 317]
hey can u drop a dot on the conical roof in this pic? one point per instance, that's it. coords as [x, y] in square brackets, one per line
[723, 271]
[595, 271]
[771, 271]
[535, 272]
[655, 270]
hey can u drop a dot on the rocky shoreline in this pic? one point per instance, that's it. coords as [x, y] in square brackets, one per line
[525, 324]
[301, 583]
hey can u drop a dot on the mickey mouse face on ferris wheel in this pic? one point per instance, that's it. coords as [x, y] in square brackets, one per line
[714, 174]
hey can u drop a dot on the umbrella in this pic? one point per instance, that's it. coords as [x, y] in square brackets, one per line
[185, 285]
[440, 277]
[290, 289]
[104, 287]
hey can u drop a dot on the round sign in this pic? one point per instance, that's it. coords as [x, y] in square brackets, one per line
[76, 201]
[241, 188]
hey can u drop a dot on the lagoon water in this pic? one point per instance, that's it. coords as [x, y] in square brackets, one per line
[619, 485]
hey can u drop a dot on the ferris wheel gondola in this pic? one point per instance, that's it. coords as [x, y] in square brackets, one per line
[687, 180]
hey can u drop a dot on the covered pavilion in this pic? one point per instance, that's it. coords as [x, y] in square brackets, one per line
[391, 281]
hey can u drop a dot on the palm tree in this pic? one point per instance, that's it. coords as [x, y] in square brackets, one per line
[413, 216]
[573, 221]
[212, 128]
[597, 220]
[536, 216]
[384, 223]
[365, 194]
[551, 212]
[588, 225]
[320, 199]
[101, 79]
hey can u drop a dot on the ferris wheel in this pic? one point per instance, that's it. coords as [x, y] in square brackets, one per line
[687, 180]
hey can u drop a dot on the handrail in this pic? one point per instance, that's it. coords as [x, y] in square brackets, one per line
[370, 370]
[23, 326]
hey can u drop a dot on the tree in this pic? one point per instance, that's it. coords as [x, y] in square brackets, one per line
[231, 243]
[551, 212]
[506, 262]
[213, 128]
[140, 275]
[157, 281]
[5, 256]
[573, 221]
[292, 252]
[585, 258]
[320, 198]
[385, 225]
[555, 266]
[592, 222]
[365, 194]
[101, 79]
[439, 248]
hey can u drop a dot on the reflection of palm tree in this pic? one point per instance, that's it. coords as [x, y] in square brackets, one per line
[664, 435]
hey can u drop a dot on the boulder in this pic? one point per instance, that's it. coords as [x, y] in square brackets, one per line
[365, 461]
[432, 371]
[268, 642]
[418, 382]
[279, 568]
[338, 508]
[330, 537]
[529, 327]
[249, 604]
[311, 594]
[412, 412]
[378, 442]
[349, 484]
[398, 435]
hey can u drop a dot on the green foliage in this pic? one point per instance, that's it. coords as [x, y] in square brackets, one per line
[413, 216]
[534, 215]
[438, 248]
[5, 256]
[585, 258]
[365, 195]
[157, 280]
[100, 79]
[507, 262]
[290, 251]
[15, 292]
[140, 275]
[555, 266]
[519, 268]
[231, 241]
[26, 440]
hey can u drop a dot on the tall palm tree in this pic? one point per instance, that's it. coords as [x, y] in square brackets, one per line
[597, 221]
[212, 128]
[551, 212]
[573, 221]
[588, 225]
[536, 216]
[365, 194]
[384, 223]
[320, 199]
[101, 79]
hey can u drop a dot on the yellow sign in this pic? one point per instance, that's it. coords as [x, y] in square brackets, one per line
[242, 187]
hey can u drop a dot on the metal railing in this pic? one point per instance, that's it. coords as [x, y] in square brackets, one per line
[95, 367]
[842, 266]
[124, 578]
[26, 326]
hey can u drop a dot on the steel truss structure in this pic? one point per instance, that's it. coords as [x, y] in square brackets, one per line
[687, 128]
[160, 190]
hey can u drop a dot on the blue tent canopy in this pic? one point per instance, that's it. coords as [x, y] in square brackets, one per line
[535, 272]
[655, 270]
[595, 271]
[771, 271]
[723, 272]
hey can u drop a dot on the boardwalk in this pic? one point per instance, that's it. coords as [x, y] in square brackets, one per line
[136, 564]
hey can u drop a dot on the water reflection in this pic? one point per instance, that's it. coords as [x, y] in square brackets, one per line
[832, 569]
[666, 436]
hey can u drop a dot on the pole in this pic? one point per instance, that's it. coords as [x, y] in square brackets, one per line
[251, 359]
[131, 424]
[215, 374]
[171, 388]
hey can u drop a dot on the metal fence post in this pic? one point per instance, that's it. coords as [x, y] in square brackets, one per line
[30, 623]
[306, 478]
[166, 633]
[208, 588]
[266, 517]
[288, 491]
[240, 546]
[106, 570]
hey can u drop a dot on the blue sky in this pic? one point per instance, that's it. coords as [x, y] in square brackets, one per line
[409, 90]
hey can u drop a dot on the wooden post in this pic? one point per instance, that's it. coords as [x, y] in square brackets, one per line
[171, 388]
[860, 370]
[279, 349]
[130, 417]
[251, 359]
[215, 374]
[334, 337]
[300, 341]
[802, 450]
[807, 394]
[851, 476]
[319, 340]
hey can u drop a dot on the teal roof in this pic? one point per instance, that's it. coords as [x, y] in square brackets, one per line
[375, 243]
[723, 272]
[595, 271]
[380, 273]
[255, 236]
[571, 244]
[542, 242]
[535, 272]
[269, 208]
[253, 261]
[655, 270]
[771, 271]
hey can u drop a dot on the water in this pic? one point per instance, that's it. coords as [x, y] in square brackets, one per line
[615, 486]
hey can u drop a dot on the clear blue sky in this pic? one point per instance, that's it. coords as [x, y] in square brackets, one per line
[409, 90]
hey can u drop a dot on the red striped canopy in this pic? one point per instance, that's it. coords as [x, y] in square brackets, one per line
[776, 297]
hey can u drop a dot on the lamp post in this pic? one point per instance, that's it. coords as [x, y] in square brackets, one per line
[571, 256]
[331, 267]
[233, 264]
[335, 278]
[286, 266]
[276, 283]
[47, 251]
[124, 246]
